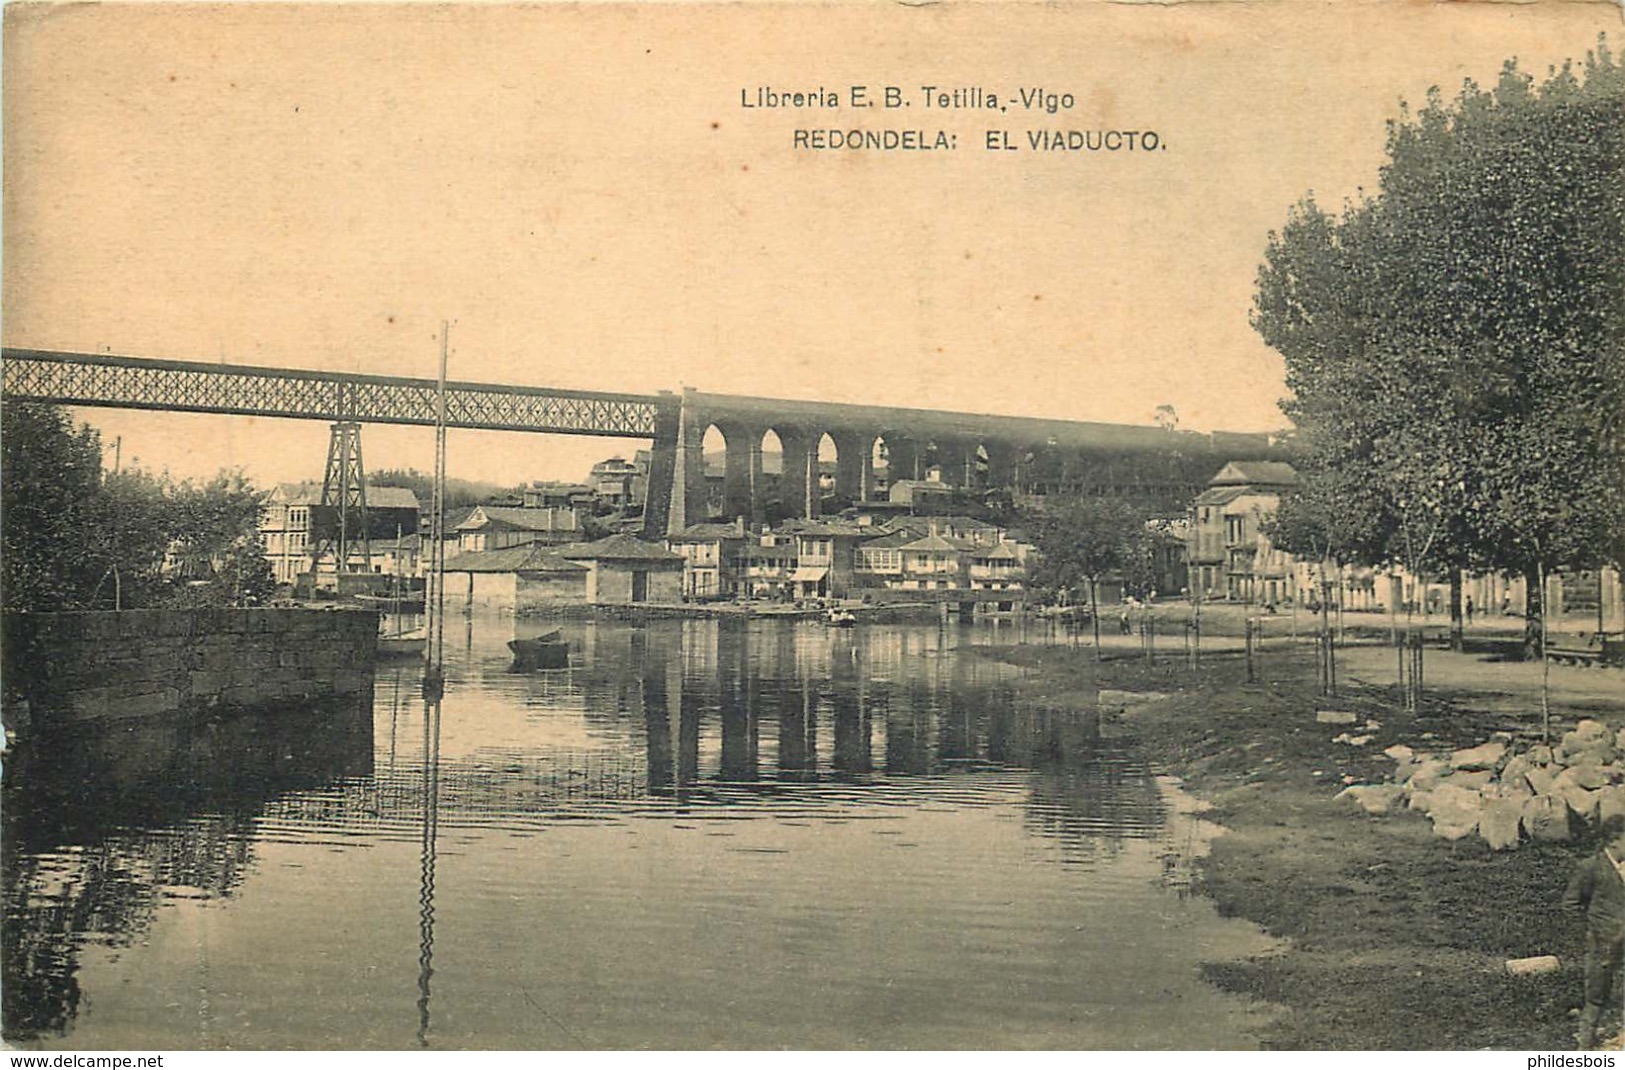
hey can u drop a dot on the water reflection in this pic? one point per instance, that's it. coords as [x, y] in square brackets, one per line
[103, 824]
[680, 778]
[431, 836]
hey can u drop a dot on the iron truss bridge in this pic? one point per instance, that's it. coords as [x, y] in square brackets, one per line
[187, 386]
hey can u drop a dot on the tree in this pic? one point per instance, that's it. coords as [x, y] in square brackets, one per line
[50, 474]
[1081, 540]
[216, 551]
[1455, 343]
[76, 538]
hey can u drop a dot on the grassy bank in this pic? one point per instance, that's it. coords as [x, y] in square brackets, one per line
[1397, 939]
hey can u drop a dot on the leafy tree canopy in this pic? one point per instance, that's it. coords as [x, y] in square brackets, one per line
[76, 538]
[1455, 342]
[1080, 540]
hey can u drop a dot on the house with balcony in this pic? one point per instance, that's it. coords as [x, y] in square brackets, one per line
[767, 565]
[295, 520]
[879, 561]
[618, 482]
[935, 562]
[712, 555]
[826, 557]
[996, 568]
[1227, 533]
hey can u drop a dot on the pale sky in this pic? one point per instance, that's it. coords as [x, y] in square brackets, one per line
[579, 189]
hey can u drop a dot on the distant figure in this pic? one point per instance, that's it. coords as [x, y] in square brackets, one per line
[1597, 893]
[1123, 620]
[1469, 608]
[1506, 604]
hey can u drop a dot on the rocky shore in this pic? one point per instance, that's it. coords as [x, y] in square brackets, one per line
[1402, 901]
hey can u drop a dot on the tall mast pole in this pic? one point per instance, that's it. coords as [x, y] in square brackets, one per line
[434, 651]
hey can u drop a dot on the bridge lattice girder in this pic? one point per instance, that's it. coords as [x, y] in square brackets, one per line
[184, 386]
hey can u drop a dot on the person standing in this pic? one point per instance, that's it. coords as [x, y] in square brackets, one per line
[1469, 610]
[1597, 892]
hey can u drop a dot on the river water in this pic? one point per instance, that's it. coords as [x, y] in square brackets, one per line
[701, 835]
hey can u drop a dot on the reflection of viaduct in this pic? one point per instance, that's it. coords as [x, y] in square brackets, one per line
[969, 451]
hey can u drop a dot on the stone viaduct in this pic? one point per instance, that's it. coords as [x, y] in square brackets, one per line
[969, 451]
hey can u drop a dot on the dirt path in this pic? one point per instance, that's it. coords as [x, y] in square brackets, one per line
[1397, 939]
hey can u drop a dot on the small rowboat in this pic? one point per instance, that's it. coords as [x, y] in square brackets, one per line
[546, 651]
[403, 645]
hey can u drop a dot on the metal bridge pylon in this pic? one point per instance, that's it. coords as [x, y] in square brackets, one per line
[344, 492]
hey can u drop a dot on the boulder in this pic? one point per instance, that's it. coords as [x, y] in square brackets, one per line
[1454, 826]
[1546, 818]
[1400, 753]
[1541, 780]
[1335, 717]
[1473, 781]
[1586, 775]
[1611, 802]
[1373, 798]
[1581, 800]
[1516, 769]
[1537, 965]
[1597, 756]
[1508, 789]
[1454, 811]
[1429, 775]
[1590, 741]
[1420, 801]
[1499, 822]
[1484, 756]
[1541, 755]
[1590, 729]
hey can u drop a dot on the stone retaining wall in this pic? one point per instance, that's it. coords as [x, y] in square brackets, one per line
[96, 666]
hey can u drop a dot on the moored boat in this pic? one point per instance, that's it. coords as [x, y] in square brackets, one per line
[546, 651]
[403, 645]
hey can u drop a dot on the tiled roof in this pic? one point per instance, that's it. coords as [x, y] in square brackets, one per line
[409, 543]
[618, 548]
[706, 533]
[1220, 495]
[933, 543]
[1265, 473]
[532, 557]
[310, 493]
[822, 527]
[891, 539]
[518, 518]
